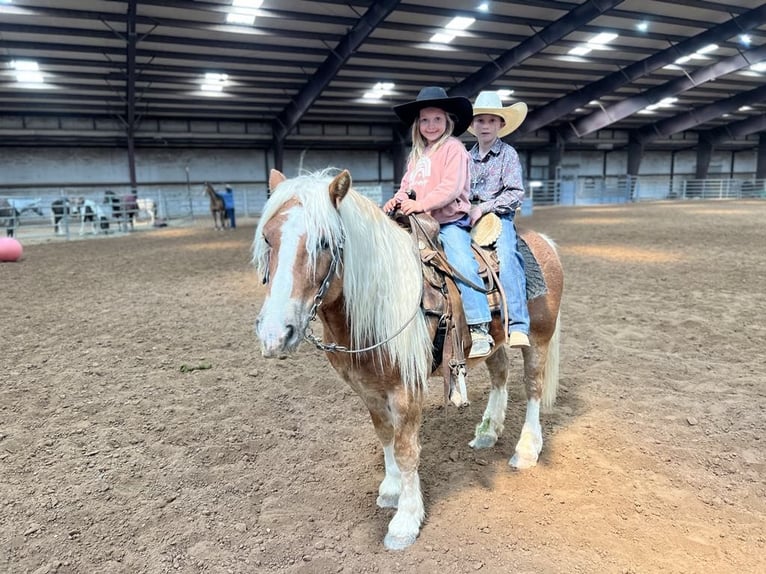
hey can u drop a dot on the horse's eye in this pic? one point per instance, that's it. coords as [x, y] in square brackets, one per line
[323, 244]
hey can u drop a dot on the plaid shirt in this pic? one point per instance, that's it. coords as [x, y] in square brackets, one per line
[496, 180]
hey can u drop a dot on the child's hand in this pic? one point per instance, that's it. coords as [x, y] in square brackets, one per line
[390, 205]
[410, 206]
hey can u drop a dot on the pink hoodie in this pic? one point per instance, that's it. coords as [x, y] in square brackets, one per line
[441, 181]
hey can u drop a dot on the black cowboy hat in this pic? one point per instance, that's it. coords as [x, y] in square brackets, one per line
[434, 97]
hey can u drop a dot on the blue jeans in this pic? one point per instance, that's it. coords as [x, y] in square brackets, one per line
[512, 276]
[457, 247]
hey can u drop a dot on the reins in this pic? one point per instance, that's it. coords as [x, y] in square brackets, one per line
[308, 334]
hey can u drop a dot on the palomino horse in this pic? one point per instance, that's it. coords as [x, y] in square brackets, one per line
[325, 250]
[217, 208]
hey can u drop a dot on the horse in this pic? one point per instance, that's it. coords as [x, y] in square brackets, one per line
[61, 209]
[124, 209]
[90, 212]
[217, 208]
[148, 206]
[326, 251]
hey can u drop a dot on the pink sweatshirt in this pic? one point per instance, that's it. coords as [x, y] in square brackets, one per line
[441, 181]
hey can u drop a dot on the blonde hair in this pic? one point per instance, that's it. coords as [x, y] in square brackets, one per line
[419, 143]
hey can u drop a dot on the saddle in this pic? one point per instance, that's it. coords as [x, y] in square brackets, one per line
[441, 301]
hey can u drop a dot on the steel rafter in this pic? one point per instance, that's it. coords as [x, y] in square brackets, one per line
[551, 34]
[735, 130]
[611, 83]
[326, 72]
[699, 116]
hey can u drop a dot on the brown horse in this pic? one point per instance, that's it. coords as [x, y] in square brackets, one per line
[325, 250]
[217, 209]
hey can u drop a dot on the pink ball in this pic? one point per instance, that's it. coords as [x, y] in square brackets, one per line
[10, 249]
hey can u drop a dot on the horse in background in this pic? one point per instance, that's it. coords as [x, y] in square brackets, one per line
[326, 251]
[217, 208]
[124, 209]
[61, 209]
[148, 206]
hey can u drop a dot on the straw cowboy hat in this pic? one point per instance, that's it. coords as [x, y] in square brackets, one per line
[490, 103]
[486, 231]
[434, 97]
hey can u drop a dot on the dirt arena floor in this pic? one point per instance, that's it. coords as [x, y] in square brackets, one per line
[142, 432]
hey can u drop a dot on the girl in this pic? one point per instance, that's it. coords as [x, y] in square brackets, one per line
[438, 173]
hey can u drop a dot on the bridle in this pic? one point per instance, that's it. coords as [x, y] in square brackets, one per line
[308, 333]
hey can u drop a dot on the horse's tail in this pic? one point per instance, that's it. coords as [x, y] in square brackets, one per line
[551, 369]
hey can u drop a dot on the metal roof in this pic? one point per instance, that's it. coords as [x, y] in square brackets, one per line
[115, 69]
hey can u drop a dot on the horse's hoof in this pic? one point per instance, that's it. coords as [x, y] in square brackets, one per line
[399, 542]
[522, 463]
[483, 441]
[387, 501]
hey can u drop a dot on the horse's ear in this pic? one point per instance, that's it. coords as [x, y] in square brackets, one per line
[339, 187]
[275, 178]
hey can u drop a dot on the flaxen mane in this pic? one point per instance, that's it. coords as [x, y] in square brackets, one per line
[379, 301]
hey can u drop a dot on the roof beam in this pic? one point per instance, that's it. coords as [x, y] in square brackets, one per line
[699, 115]
[735, 130]
[602, 118]
[551, 34]
[299, 105]
[611, 83]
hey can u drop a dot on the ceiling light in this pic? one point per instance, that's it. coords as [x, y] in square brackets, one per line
[214, 77]
[707, 49]
[745, 108]
[580, 50]
[759, 67]
[602, 38]
[483, 7]
[29, 77]
[25, 65]
[683, 59]
[240, 19]
[642, 26]
[460, 23]
[442, 38]
[212, 87]
[745, 39]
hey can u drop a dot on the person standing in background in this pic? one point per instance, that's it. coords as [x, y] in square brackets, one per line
[228, 205]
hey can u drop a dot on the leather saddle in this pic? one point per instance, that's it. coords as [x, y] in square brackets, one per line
[441, 297]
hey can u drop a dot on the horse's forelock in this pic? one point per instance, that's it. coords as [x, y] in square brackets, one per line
[323, 225]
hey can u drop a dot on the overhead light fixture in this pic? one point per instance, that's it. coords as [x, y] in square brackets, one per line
[707, 49]
[243, 12]
[745, 39]
[483, 7]
[745, 108]
[504, 93]
[27, 72]
[602, 38]
[442, 38]
[580, 50]
[378, 91]
[642, 26]
[214, 82]
[460, 23]
[759, 67]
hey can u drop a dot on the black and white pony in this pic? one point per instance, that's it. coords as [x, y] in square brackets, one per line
[87, 210]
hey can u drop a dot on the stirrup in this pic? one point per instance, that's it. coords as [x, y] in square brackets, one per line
[481, 342]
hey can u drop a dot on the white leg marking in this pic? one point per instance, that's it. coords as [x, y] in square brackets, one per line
[492, 423]
[404, 527]
[531, 441]
[389, 489]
